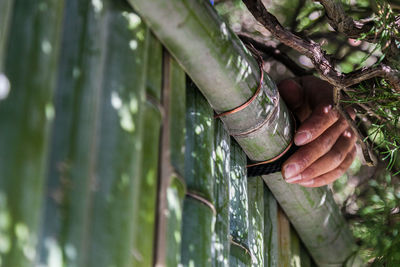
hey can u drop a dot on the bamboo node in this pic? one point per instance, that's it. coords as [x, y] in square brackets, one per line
[248, 102]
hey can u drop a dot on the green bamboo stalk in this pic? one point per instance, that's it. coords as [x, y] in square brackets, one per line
[118, 162]
[199, 164]
[284, 239]
[198, 215]
[326, 238]
[143, 248]
[221, 61]
[221, 157]
[197, 228]
[255, 192]
[238, 206]
[72, 147]
[171, 187]
[30, 63]
[5, 15]
[177, 120]
[239, 256]
[295, 259]
[175, 196]
[270, 229]
[95, 154]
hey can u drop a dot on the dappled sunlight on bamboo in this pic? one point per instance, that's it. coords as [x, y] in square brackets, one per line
[46, 47]
[323, 199]
[224, 31]
[97, 5]
[175, 195]
[126, 110]
[5, 224]
[54, 251]
[133, 20]
[244, 69]
[4, 86]
[25, 240]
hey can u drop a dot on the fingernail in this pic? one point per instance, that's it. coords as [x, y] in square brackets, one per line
[291, 170]
[302, 137]
[307, 183]
[294, 179]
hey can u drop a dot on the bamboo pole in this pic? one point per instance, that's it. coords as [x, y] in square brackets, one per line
[5, 15]
[227, 75]
[239, 209]
[199, 210]
[271, 251]
[316, 218]
[223, 69]
[221, 157]
[95, 156]
[175, 198]
[255, 192]
[171, 186]
[143, 247]
[26, 113]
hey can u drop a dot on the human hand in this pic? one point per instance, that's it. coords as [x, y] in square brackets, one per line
[327, 144]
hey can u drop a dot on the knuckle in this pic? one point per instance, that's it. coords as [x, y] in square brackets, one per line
[338, 155]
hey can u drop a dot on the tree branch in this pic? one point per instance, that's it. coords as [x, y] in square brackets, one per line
[343, 23]
[312, 50]
[276, 54]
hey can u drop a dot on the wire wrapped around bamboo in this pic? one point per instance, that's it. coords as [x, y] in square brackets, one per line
[143, 248]
[26, 113]
[95, 156]
[221, 157]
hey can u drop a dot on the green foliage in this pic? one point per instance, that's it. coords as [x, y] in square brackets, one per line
[378, 222]
[381, 107]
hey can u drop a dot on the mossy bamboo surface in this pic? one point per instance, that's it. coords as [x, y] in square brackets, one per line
[239, 256]
[30, 63]
[270, 229]
[198, 215]
[238, 206]
[221, 157]
[197, 228]
[199, 164]
[143, 248]
[175, 198]
[95, 152]
[255, 192]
